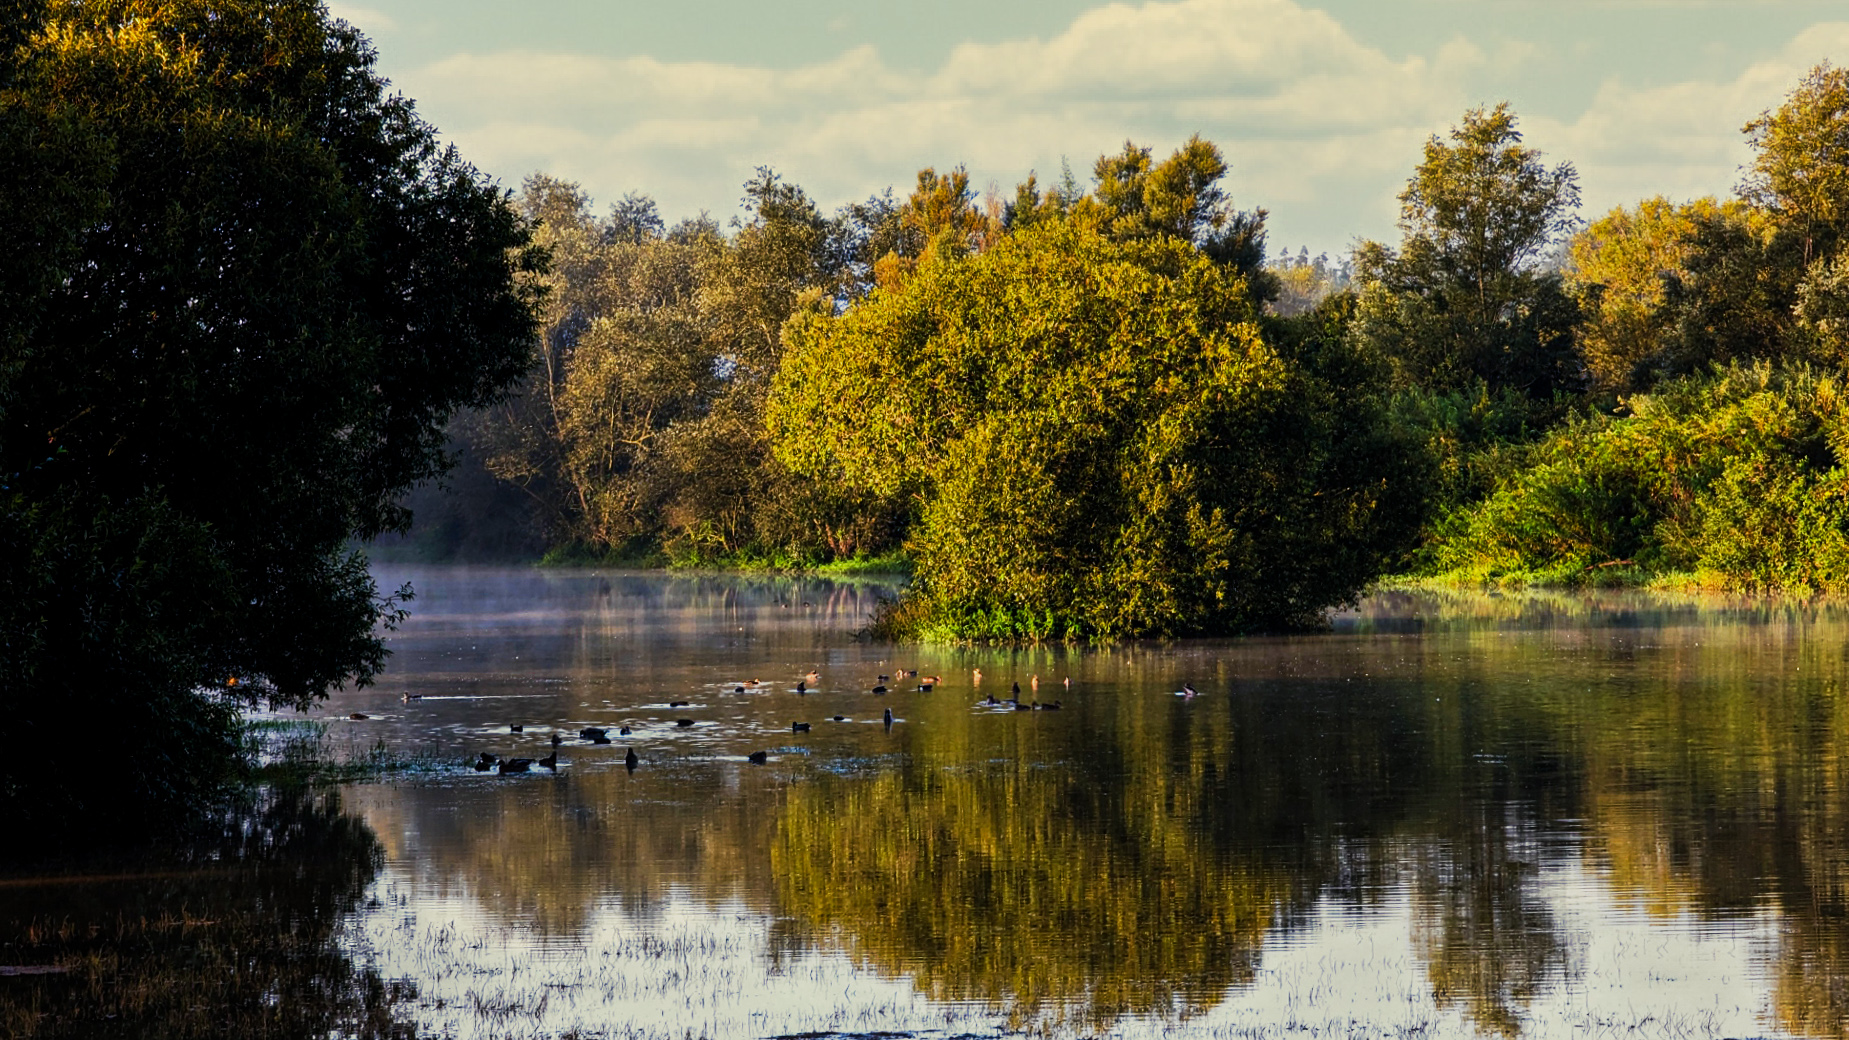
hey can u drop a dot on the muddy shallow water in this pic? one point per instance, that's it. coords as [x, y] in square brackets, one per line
[1448, 815]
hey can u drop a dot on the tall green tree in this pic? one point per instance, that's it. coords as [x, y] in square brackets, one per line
[1100, 439]
[1466, 295]
[252, 291]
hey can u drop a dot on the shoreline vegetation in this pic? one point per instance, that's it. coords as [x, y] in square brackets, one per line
[1101, 412]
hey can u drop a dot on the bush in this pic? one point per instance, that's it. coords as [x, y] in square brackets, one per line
[1736, 475]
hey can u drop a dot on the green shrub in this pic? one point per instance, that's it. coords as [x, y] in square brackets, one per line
[1736, 476]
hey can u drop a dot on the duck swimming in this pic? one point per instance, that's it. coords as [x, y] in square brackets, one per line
[758, 757]
[799, 727]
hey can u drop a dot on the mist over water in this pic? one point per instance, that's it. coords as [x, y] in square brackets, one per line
[1448, 815]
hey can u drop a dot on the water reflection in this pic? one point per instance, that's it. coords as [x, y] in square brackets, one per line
[1450, 815]
[231, 931]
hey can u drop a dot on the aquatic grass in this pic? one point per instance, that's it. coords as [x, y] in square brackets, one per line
[299, 752]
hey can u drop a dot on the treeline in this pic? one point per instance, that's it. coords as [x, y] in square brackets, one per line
[1103, 411]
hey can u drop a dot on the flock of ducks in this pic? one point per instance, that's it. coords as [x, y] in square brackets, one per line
[489, 762]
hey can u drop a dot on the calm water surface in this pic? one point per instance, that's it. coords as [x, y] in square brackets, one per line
[1451, 815]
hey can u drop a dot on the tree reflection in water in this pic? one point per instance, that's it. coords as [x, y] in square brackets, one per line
[1137, 854]
[232, 931]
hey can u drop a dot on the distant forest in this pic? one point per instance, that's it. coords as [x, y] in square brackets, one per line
[1106, 409]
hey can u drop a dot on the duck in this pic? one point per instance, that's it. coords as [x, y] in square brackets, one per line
[408, 697]
[677, 704]
[1033, 682]
[630, 760]
[885, 678]
[1049, 706]
[888, 716]
[591, 732]
[924, 687]
[753, 683]
[1187, 690]
[879, 689]
[738, 689]
[624, 732]
[556, 741]
[485, 762]
[1018, 706]
[515, 727]
[600, 739]
[907, 673]
[800, 688]
[359, 716]
[515, 765]
[991, 701]
[799, 727]
[978, 677]
[551, 761]
[840, 718]
[931, 680]
[683, 723]
[812, 676]
[758, 757]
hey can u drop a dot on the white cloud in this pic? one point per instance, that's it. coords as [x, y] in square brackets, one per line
[367, 18]
[1682, 139]
[1319, 127]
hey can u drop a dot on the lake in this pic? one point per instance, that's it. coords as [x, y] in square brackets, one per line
[1448, 815]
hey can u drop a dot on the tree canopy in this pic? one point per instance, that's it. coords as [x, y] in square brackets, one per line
[251, 289]
[1101, 439]
[1464, 297]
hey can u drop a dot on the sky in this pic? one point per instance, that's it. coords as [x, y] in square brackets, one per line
[1321, 106]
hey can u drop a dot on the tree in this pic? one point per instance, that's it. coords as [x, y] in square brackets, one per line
[1800, 179]
[1800, 174]
[260, 291]
[641, 425]
[1100, 440]
[1627, 267]
[1465, 296]
[1180, 197]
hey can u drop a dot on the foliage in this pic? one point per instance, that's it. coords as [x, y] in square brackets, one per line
[1464, 297]
[1737, 476]
[1627, 266]
[251, 289]
[1101, 440]
[639, 433]
[1670, 290]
